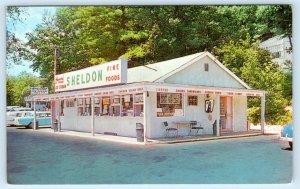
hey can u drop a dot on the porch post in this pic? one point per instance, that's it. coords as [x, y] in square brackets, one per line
[145, 114]
[92, 117]
[263, 109]
[34, 115]
[218, 114]
[58, 126]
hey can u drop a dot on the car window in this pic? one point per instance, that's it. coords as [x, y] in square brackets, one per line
[42, 115]
[28, 114]
[19, 115]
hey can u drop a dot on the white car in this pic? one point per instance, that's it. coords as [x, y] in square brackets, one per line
[10, 116]
[26, 119]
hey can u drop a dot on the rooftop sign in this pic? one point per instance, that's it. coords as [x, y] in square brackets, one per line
[38, 90]
[113, 72]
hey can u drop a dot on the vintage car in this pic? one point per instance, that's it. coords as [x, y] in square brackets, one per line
[11, 115]
[26, 119]
[287, 134]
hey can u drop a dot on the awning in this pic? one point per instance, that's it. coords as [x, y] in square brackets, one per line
[149, 86]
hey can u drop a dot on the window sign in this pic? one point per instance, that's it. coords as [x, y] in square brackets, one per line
[138, 98]
[209, 106]
[116, 100]
[126, 98]
[105, 101]
[169, 104]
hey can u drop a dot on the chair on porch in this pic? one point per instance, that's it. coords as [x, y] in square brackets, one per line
[194, 126]
[168, 129]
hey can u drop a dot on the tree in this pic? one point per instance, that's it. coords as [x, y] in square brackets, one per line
[253, 65]
[19, 87]
[15, 49]
[278, 19]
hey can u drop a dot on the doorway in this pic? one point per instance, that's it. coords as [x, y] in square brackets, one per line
[226, 113]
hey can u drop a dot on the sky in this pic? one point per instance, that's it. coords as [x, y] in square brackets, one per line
[30, 19]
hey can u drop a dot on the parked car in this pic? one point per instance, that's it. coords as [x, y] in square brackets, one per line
[287, 134]
[9, 108]
[11, 115]
[26, 119]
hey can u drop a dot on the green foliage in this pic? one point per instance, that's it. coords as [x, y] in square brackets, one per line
[253, 65]
[89, 35]
[15, 48]
[19, 87]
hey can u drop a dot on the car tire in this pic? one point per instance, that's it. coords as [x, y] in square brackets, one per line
[29, 126]
[291, 144]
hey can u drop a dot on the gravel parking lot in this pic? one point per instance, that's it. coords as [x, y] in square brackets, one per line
[35, 157]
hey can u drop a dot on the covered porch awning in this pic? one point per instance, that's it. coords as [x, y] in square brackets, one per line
[149, 86]
[145, 87]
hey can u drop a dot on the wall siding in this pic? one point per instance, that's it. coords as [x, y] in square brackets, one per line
[195, 75]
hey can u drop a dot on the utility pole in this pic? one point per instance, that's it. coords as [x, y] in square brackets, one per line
[54, 68]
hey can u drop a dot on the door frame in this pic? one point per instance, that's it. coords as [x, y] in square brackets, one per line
[226, 129]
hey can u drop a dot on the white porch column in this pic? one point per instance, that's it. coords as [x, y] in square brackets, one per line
[217, 108]
[92, 116]
[58, 125]
[34, 115]
[145, 115]
[263, 109]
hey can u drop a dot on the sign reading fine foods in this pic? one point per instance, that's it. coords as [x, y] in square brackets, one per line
[113, 72]
[39, 90]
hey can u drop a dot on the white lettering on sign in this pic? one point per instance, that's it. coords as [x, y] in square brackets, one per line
[113, 72]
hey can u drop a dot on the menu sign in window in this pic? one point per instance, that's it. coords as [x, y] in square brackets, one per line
[169, 104]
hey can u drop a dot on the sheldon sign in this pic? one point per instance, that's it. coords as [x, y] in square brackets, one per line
[113, 72]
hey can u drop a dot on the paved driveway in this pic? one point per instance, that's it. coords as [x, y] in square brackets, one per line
[44, 158]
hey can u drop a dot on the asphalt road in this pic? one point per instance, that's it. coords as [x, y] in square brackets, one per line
[35, 157]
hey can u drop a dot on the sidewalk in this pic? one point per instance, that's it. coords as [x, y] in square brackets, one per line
[111, 138]
[269, 129]
[133, 140]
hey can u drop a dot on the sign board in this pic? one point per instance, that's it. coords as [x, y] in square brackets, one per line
[113, 72]
[39, 90]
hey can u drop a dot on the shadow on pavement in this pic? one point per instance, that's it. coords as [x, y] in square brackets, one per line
[288, 149]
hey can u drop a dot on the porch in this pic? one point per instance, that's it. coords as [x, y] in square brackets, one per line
[205, 137]
[164, 140]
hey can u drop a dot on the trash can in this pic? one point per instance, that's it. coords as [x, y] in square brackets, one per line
[215, 128]
[55, 125]
[139, 132]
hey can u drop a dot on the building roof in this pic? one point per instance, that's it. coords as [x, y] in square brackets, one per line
[159, 71]
[152, 72]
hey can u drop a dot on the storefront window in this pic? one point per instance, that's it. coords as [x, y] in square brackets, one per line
[169, 104]
[97, 110]
[115, 106]
[69, 103]
[87, 108]
[105, 105]
[127, 105]
[192, 100]
[84, 106]
[80, 106]
[62, 102]
[138, 105]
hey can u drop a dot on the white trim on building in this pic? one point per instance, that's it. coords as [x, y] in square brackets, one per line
[152, 96]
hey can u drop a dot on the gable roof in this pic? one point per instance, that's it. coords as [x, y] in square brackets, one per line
[158, 72]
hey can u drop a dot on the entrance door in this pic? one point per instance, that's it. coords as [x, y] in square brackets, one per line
[226, 113]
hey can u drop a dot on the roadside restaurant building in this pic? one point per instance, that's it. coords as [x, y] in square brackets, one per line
[111, 99]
